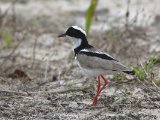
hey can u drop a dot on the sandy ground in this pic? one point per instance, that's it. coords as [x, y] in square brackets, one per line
[53, 87]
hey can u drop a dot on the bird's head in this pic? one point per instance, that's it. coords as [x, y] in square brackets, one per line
[77, 34]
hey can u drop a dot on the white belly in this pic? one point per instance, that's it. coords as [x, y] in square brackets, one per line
[93, 72]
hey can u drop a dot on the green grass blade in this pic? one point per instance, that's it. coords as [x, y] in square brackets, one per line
[152, 61]
[89, 15]
[7, 37]
[139, 72]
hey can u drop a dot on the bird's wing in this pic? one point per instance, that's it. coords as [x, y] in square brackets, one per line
[95, 59]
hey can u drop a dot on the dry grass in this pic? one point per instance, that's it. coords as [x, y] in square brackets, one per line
[56, 89]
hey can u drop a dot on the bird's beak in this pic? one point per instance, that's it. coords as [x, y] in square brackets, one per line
[62, 35]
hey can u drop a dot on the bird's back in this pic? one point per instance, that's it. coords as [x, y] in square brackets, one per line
[98, 62]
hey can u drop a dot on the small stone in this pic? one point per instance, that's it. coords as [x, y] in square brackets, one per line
[61, 82]
[73, 105]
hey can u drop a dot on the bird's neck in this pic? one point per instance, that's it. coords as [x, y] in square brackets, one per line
[83, 45]
[76, 42]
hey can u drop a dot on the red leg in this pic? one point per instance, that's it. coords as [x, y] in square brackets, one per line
[105, 83]
[99, 84]
[95, 99]
[99, 89]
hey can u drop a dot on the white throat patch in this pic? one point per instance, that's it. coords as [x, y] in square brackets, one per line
[76, 42]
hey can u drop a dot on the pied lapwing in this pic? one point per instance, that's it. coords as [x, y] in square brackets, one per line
[92, 61]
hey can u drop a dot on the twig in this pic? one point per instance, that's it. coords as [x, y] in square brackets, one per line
[34, 52]
[12, 52]
[11, 93]
[127, 14]
[155, 85]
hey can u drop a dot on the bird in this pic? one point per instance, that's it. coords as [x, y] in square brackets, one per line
[93, 62]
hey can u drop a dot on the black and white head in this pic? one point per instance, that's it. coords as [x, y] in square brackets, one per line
[77, 34]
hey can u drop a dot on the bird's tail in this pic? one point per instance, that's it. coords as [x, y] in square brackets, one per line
[129, 72]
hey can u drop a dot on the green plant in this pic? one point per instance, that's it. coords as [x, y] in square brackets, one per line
[143, 71]
[118, 77]
[89, 15]
[152, 61]
[7, 37]
[139, 71]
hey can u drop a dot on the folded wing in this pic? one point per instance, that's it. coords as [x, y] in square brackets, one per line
[95, 59]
